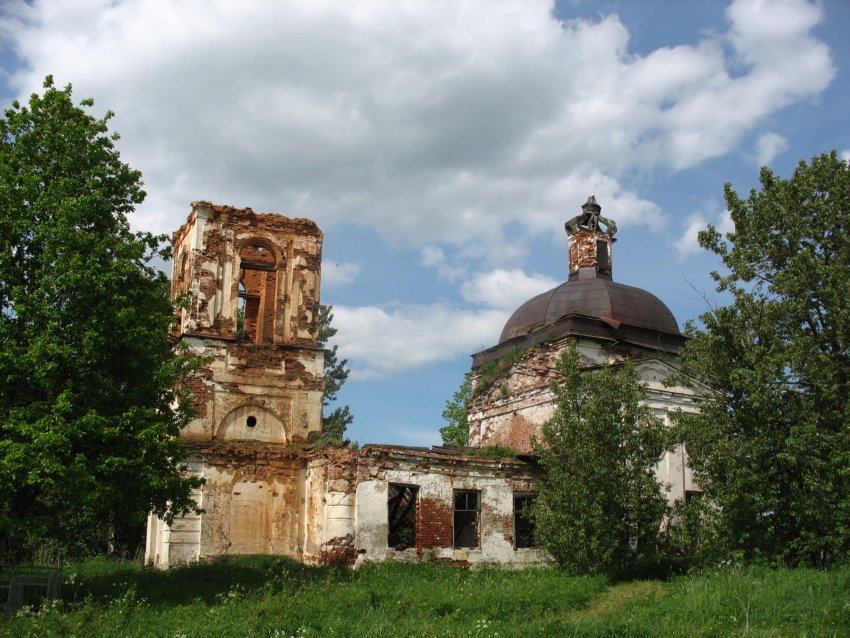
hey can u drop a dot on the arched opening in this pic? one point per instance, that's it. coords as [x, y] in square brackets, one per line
[257, 282]
[251, 423]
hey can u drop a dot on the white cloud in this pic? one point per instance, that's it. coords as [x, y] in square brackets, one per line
[434, 257]
[845, 155]
[432, 122]
[768, 146]
[465, 129]
[339, 273]
[688, 243]
[382, 341]
[505, 289]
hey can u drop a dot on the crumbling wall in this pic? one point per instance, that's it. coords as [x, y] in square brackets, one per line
[267, 267]
[217, 249]
[512, 409]
[252, 500]
[509, 410]
[437, 477]
[284, 383]
[329, 507]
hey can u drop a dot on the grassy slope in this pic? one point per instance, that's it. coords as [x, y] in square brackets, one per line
[274, 597]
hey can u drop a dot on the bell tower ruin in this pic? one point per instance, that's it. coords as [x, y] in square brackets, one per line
[249, 284]
[251, 287]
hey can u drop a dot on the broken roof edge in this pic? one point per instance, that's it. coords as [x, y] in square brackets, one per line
[208, 210]
[448, 453]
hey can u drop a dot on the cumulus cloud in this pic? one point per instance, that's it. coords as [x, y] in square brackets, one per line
[688, 242]
[845, 155]
[438, 121]
[436, 258]
[768, 146]
[382, 341]
[473, 126]
[505, 289]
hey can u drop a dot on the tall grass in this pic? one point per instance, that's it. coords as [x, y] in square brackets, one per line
[273, 597]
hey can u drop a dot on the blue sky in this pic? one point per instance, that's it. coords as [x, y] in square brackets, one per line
[441, 145]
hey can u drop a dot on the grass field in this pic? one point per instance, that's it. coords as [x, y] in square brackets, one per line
[273, 597]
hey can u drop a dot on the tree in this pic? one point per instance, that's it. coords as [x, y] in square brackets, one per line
[598, 504]
[336, 373]
[89, 416]
[456, 430]
[771, 448]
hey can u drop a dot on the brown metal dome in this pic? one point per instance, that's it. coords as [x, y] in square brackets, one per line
[598, 298]
[589, 303]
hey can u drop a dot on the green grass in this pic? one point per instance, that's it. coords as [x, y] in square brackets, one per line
[274, 597]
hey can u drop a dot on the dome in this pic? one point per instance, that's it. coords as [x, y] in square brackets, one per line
[590, 303]
[598, 298]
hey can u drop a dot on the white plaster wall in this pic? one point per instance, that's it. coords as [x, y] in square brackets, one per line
[180, 542]
[371, 518]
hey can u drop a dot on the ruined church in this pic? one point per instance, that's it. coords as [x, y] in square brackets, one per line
[253, 286]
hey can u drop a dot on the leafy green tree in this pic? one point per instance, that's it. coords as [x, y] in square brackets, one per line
[88, 422]
[456, 430]
[598, 504]
[771, 448]
[335, 423]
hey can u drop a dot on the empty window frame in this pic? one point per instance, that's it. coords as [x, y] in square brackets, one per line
[467, 513]
[255, 307]
[523, 525]
[401, 511]
[603, 257]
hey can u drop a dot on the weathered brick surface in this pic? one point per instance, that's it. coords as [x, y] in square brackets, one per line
[583, 249]
[338, 551]
[434, 524]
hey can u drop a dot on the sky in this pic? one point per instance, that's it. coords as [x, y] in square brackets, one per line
[441, 145]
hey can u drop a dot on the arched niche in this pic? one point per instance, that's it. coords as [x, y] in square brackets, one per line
[251, 423]
[257, 290]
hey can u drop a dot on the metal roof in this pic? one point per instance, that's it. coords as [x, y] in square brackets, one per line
[615, 304]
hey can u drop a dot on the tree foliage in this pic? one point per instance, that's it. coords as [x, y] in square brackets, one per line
[772, 448]
[598, 504]
[456, 430]
[87, 416]
[334, 423]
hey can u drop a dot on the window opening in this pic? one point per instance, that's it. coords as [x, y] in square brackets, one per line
[251, 421]
[603, 259]
[401, 511]
[466, 514]
[523, 524]
[255, 303]
[240, 313]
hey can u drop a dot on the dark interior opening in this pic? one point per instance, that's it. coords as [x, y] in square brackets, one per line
[466, 510]
[401, 510]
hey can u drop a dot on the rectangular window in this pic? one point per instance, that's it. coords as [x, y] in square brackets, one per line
[401, 510]
[466, 514]
[523, 525]
[603, 259]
